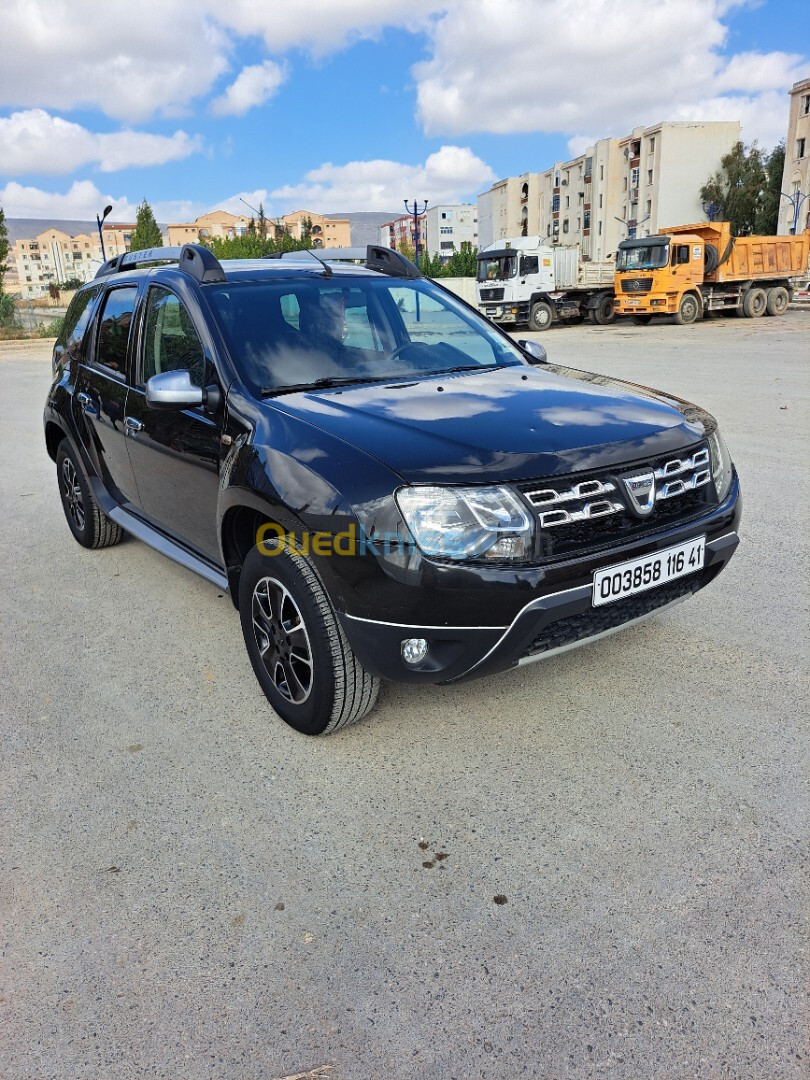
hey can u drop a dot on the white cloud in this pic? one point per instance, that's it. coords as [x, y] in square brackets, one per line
[132, 60]
[82, 201]
[529, 65]
[34, 141]
[254, 85]
[448, 176]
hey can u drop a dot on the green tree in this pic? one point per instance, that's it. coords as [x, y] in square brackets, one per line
[306, 232]
[3, 247]
[462, 263]
[737, 187]
[251, 228]
[261, 226]
[147, 233]
[767, 215]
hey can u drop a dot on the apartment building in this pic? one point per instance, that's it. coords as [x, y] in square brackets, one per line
[794, 213]
[617, 188]
[326, 232]
[53, 256]
[441, 230]
[400, 232]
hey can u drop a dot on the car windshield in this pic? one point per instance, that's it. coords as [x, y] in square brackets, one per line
[496, 267]
[307, 331]
[642, 257]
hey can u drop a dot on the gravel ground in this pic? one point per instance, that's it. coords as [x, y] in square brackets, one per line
[189, 889]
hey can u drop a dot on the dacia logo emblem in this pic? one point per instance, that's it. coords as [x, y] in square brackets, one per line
[641, 492]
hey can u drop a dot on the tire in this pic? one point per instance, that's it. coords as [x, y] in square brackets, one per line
[309, 673]
[688, 309]
[541, 316]
[710, 259]
[641, 320]
[755, 303]
[778, 299]
[86, 520]
[590, 315]
[604, 311]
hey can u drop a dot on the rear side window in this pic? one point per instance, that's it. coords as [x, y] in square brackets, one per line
[170, 342]
[114, 329]
[76, 320]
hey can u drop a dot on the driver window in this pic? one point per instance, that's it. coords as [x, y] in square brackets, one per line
[680, 254]
[170, 341]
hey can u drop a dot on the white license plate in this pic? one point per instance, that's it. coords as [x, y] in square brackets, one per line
[491, 311]
[638, 575]
[633, 303]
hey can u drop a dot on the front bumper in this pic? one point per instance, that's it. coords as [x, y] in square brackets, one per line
[501, 312]
[550, 621]
[646, 304]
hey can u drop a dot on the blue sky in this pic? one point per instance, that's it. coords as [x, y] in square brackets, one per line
[346, 105]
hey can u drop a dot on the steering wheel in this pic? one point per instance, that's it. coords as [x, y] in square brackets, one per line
[408, 345]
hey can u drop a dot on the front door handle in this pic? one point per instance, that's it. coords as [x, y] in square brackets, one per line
[132, 426]
[84, 400]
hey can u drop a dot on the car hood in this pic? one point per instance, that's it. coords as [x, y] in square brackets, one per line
[512, 423]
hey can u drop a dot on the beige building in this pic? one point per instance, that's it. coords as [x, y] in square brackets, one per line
[794, 213]
[619, 187]
[54, 256]
[442, 229]
[326, 232]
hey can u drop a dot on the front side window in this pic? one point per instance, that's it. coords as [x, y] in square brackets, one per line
[303, 333]
[114, 328]
[170, 342]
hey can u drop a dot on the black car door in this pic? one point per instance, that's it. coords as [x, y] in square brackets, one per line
[175, 453]
[100, 394]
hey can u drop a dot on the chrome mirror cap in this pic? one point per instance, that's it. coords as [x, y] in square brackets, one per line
[536, 352]
[173, 390]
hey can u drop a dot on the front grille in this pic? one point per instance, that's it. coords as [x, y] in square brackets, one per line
[491, 294]
[637, 285]
[578, 514]
[597, 620]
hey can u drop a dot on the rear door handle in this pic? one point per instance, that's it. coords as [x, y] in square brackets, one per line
[84, 400]
[132, 426]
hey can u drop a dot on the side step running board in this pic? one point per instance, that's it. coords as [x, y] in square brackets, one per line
[129, 523]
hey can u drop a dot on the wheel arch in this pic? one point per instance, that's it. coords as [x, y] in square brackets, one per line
[54, 434]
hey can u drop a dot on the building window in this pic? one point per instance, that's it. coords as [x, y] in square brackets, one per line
[624, 187]
[649, 206]
[446, 230]
[567, 201]
[565, 225]
[586, 219]
[634, 177]
[600, 202]
[601, 172]
[556, 179]
[800, 144]
[588, 166]
[599, 229]
[445, 244]
[806, 105]
[652, 144]
[649, 176]
[555, 202]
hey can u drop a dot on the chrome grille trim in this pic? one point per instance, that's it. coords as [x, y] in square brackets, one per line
[589, 512]
[677, 466]
[678, 487]
[586, 490]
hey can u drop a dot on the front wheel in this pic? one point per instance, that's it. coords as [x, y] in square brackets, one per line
[641, 320]
[541, 316]
[604, 311]
[688, 310]
[303, 662]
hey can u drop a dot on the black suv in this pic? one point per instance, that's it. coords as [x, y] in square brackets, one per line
[387, 484]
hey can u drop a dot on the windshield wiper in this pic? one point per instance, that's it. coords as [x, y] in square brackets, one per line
[321, 384]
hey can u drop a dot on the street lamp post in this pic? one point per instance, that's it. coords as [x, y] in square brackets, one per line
[712, 210]
[795, 200]
[416, 212]
[100, 222]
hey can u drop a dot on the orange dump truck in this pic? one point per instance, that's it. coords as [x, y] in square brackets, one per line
[689, 270]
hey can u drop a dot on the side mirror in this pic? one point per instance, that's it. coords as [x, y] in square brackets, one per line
[173, 390]
[534, 351]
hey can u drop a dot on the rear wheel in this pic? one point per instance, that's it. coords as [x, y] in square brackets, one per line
[299, 654]
[541, 316]
[778, 299]
[755, 303]
[604, 310]
[87, 521]
[688, 309]
[641, 320]
[591, 315]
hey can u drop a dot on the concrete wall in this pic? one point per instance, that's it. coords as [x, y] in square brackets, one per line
[461, 286]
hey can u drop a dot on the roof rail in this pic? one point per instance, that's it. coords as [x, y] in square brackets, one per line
[194, 259]
[374, 257]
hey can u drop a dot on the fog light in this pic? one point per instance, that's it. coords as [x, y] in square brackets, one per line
[414, 650]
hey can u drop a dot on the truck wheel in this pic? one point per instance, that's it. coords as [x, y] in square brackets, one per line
[641, 320]
[710, 259]
[87, 521]
[777, 301]
[303, 662]
[688, 309]
[604, 311]
[755, 303]
[541, 316]
[590, 315]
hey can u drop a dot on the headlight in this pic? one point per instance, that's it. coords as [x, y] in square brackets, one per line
[721, 464]
[467, 523]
